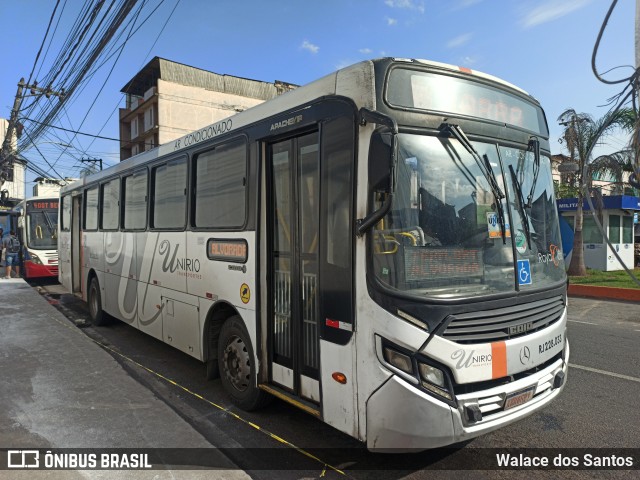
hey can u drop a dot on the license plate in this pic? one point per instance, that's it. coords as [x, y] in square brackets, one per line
[521, 397]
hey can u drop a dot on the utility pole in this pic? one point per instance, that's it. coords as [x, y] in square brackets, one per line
[6, 152]
[92, 160]
[5, 161]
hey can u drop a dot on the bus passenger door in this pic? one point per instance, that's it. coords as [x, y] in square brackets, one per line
[76, 235]
[294, 192]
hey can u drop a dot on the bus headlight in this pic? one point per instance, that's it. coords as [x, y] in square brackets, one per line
[431, 378]
[434, 380]
[398, 360]
[35, 259]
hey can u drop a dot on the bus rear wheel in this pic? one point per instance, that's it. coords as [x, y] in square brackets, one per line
[237, 366]
[95, 304]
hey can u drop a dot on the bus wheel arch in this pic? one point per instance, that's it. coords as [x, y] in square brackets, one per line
[94, 300]
[218, 314]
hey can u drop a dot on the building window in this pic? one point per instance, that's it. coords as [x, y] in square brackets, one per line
[134, 127]
[590, 231]
[220, 186]
[10, 174]
[170, 194]
[627, 229]
[614, 228]
[149, 119]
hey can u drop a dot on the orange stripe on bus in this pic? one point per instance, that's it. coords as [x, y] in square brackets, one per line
[498, 359]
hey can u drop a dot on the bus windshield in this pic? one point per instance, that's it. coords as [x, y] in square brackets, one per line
[444, 236]
[42, 229]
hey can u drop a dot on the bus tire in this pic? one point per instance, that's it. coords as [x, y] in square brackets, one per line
[213, 371]
[237, 366]
[98, 317]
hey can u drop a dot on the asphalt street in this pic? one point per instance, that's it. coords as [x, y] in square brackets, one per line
[598, 408]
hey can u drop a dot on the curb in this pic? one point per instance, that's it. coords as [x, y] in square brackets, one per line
[609, 293]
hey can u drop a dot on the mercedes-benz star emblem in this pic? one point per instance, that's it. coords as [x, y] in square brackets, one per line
[525, 355]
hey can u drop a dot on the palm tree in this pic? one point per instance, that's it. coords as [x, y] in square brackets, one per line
[581, 134]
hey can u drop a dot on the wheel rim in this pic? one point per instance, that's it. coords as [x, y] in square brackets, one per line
[236, 363]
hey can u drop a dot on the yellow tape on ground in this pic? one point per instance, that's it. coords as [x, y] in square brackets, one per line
[281, 440]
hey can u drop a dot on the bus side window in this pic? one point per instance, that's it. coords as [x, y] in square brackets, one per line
[134, 210]
[110, 193]
[65, 213]
[91, 209]
[338, 166]
[220, 179]
[169, 186]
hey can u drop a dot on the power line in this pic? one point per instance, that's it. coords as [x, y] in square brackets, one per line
[43, 41]
[81, 66]
[71, 131]
[137, 14]
[145, 58]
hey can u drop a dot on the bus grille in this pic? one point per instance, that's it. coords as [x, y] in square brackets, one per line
[503, 323]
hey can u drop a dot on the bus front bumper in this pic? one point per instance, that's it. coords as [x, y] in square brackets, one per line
[402, 418]
[34, 270]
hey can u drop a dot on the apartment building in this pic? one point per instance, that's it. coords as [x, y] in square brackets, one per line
[166, 100]
[13, 189]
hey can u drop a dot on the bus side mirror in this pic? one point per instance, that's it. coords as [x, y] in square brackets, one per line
[381, 178]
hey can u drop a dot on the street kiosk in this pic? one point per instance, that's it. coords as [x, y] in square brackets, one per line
[619, 214]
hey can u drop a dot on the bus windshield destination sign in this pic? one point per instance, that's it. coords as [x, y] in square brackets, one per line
[43, 204]
[442, 93]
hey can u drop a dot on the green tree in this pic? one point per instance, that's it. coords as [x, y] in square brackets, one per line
[581, 134]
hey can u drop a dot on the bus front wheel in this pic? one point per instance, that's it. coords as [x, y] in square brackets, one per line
[237, 366]
[95, 303]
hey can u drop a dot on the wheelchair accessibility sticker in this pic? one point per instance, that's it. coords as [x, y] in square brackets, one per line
[524, 272]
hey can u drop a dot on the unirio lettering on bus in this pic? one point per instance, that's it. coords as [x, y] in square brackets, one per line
[171, 262]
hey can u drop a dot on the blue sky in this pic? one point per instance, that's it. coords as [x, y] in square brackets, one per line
[543, 46]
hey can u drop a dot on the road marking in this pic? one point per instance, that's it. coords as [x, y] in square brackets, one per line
[604, 372]
[578, 321]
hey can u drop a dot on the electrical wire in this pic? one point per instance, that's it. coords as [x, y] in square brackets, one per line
[75, 131]
[143, 62]
[597, 45]
[43, 41]
[96, 36]
[133, 23]
[114, 25]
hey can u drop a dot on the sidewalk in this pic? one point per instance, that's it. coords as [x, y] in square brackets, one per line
[58, 389]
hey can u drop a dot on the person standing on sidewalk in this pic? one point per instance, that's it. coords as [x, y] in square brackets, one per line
[1, 250]
[11, 246]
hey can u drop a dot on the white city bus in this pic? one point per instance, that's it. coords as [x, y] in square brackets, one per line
[38, 233]
[379, 248]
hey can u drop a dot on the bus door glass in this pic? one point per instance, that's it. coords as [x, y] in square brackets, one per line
[294, 239]
[76, 233]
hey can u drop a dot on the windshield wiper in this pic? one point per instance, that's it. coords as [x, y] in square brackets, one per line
[485, 167]
[49, 222]
[521, 206]
[534, 144]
